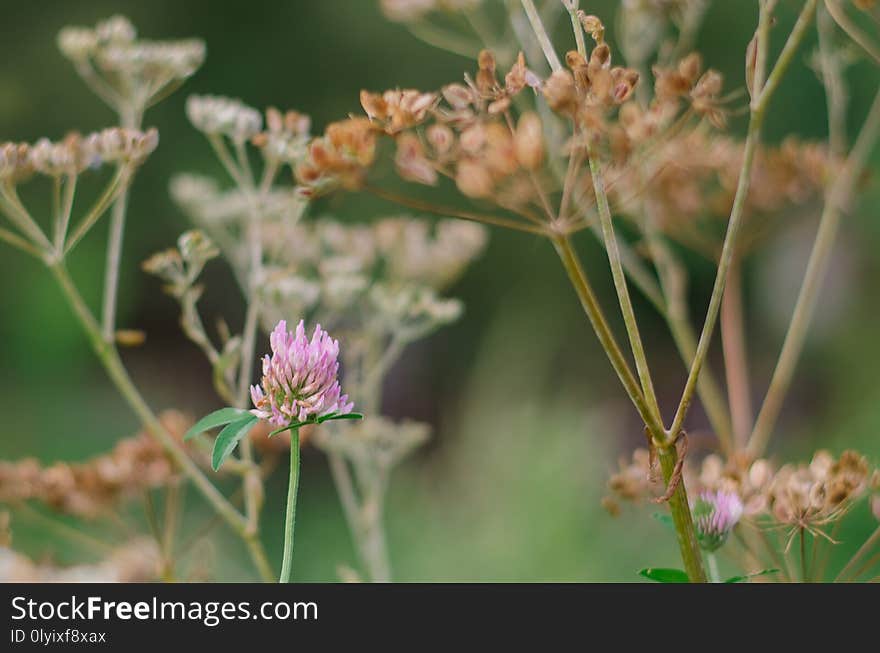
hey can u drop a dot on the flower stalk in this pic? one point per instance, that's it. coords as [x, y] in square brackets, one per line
[290, 512]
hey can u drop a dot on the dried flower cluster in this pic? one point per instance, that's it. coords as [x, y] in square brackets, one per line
[129, 73]
[89, 489]
[689, 182]
[815, 495]
[465, 133]
[809, 496]
[405, 11]
[134, 562]
[75, 153]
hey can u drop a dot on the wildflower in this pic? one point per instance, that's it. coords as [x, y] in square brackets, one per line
[299, 378]
[715, 516]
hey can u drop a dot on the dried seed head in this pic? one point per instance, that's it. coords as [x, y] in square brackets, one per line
[68, 157]
[474, 180]
[134, 73]
[441, 138]
[411, 162]
[592, 26]
[559, 90]
[398, 109]
[341, 157]
[459, 96]
[15, 162]
[77, 43]
[286, 137]
[116, 29]
[121, 145]
[229, 117]
[529, 141]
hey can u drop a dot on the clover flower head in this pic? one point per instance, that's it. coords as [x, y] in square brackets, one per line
[299, 378]
[715, 515]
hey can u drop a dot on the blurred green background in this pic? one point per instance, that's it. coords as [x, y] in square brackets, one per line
[529, 419]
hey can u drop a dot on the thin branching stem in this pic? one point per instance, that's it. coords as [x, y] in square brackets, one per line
[18, 242]
[130, 118]
[619, 277]
[590, 303]
[736, 366]
[428, 207]
[759, 108]
[109, 357]
[812, 283]
[541, 34]
[853, 31]
[111, 192]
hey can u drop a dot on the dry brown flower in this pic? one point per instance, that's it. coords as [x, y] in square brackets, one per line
[341, 157]
[134, 562]
[90, 488]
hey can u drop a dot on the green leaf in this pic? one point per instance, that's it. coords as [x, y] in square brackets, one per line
[665, 575]
[664, 519]
[215, 419]
[316, 420]
[289, 427]
[327, 418]
[228, 439]
[742, 579]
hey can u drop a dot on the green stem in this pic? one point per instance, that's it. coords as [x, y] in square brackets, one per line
[591, 307]
[868, 545]
[673, 282]
[682, 519]
[759, 109]
[290, 515]
[129, 119]
[805, 578]
[572, 7]
[617, 273]
[712, 564]
[727, 252]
